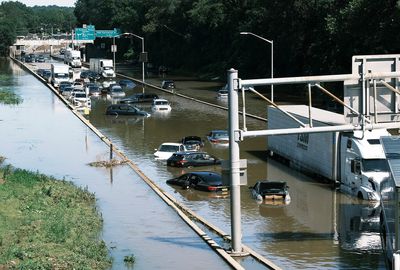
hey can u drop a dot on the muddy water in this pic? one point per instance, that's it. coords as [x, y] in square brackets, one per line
[319, 229]
[42, 134]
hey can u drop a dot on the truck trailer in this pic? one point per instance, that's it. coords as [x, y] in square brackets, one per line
[104, 67]
[59, 73]
[73, 58]
[355, 161]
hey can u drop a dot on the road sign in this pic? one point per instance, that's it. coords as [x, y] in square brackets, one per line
[113, 48]
[87, 33]
[107, 33]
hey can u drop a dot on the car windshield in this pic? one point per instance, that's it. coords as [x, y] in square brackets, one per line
[168, 148]
[80, 95]
[220, 134]
[161, 102]
[375, 165]
[272, 186]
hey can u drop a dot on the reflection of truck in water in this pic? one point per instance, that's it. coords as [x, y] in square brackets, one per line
[72, 58]
[355, 160]
[59, 73]
[104, 67]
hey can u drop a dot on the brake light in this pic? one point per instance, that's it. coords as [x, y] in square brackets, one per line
[210, 188]
[181, 162]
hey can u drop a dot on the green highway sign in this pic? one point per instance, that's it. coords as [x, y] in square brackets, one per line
[90, 33]
[108, 33]
[85, 33]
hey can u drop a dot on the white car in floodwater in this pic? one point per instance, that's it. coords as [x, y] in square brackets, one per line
[166, 150]
[161, 105]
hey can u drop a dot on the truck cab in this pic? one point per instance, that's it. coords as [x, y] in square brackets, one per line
[363, 163]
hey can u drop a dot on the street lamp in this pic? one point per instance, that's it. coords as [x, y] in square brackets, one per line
[143, 54]
[272, 57]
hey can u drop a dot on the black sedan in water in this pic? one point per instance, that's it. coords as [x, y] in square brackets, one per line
[204, 181]
[192, 159]
[125, 109]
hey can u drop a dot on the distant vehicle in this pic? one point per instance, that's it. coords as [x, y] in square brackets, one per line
[106, 84]
[204, 181]
[104, 67]
[127, 84]
[166, 150]
[222, 94]
[80, 99]
[125, 109]
[271, 190]
[139, 98]
[62, 51]
[84, 74]
[192, 143]
[28, 59]
[93, 89]
[40, 72]
[47, 74]
[160, 105]
[72, 58]
[41, 59]
[67, 92]
[168, 84]
[192, 159]
[63, 85]
[218, 137]
[93, 76]
[116, 91]
[59, 73]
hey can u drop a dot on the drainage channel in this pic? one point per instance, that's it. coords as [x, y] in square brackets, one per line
[187, 215]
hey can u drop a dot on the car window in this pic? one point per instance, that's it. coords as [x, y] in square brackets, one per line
[194, 179]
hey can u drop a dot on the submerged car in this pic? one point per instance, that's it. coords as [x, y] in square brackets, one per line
[166, 150]
[160, 105]
[204, 181]
[139, 98]
[271, 191]
[192, 143]
[127, 84]
[218, 137]
[168, 84]
[192, 159]
[116, 91]
[125, 109]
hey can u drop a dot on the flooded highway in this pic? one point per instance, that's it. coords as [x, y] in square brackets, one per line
[319, 229]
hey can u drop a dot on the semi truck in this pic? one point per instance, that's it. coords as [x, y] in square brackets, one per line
[73, 58]
[59, 73]
[355, 161]
[104, 67]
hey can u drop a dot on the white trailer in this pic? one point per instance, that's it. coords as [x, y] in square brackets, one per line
[104, 67]
[59, 73]
[73, 58]
[355, 160]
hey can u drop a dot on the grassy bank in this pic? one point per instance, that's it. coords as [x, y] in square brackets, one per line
[48, 224]
[8, 97]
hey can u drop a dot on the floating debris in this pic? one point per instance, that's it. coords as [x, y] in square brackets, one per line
[108, 163]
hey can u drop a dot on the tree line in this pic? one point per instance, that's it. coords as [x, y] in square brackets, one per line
[16, 19]
[310, 37]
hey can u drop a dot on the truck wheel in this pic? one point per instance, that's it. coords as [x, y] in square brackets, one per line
[360, 196]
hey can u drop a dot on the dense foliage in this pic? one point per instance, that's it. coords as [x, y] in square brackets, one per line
[310, 37]
[16, 19]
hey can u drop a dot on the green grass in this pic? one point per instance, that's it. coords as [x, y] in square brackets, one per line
[48, 224]
[8, 97]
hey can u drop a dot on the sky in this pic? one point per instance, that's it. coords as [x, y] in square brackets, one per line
[63, 3]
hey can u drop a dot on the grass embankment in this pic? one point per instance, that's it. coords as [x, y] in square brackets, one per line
[48, 224]
[8, 97]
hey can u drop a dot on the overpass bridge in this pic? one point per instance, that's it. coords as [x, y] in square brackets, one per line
[42, 45]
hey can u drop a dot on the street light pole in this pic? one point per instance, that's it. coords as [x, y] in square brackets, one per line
[272, 57]
[143, 53]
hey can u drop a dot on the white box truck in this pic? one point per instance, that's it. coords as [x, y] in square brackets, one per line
[355, 160]
[104, 67]
[59, 73]
[73, 58]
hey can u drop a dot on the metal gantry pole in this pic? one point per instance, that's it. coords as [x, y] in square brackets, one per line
[234, 158]
[142, 38]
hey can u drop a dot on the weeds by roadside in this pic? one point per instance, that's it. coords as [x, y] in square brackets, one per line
[48, 224]
[8, 97]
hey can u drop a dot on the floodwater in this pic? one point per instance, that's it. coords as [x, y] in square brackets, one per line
[319, 229]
